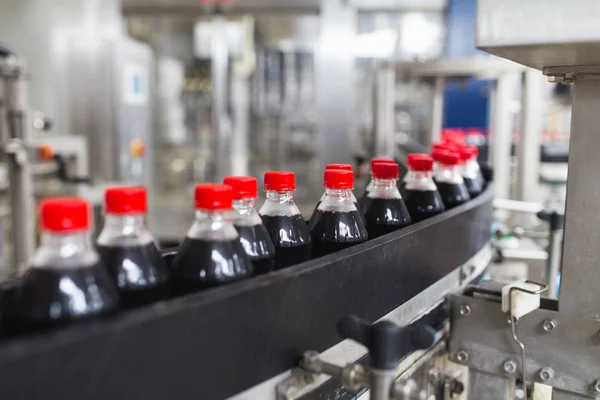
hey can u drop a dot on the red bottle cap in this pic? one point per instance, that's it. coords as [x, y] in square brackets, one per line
[213, 196]
[338, 179]
[445, 146]
[64, 214]
[345, 167]
[468, 152]
[446, 157]
[280, 180]
[381, 160]
[385, 171]
[126, 200]
[420, 162]
[244, 187]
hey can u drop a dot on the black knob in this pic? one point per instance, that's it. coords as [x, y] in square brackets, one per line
[554, 218]
[5, 51]
[386, 341]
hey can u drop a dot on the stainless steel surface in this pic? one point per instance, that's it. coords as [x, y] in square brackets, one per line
[111, 104]
[488, 386]
[50, 26]
[501, 135]
[572, 350]
[261, 7]
[579, 294]
[437, 110]
[528, 149]
[14, 75]
[221, 123]
[385, 113]
[540, 33]
[348, 351]
[483, 67]
[334, 77]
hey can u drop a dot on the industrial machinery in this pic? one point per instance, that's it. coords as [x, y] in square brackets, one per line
[411, 315]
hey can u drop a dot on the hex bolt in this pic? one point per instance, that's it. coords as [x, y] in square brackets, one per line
[549, 325]
[510, 366]
[462, 356]
[546, 374]
[597, 386]
[465, 310]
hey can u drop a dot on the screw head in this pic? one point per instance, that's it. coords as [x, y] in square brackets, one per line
[510, 366]
[549, 325]
[597, 385]
[546, 374]
[465, 310]
[462, 356]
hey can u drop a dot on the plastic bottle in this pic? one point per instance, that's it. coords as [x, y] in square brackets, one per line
[371, 183]
[448, 179]
[253, 234]
[422, 197]
[409, 174]
[66, 281]
[285, 224]
[345, 167]
[211, 254]
[128, 249]
[385, 210]
[337, 223]
[471, 171]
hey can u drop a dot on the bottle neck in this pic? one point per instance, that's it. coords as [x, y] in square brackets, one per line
[470, 168]
[212, 225]
[385, 189]
[448, 174]
[244, 213]
[421, 180]
[337, 200]
[124, 230]
[65, 250]
[279, 203]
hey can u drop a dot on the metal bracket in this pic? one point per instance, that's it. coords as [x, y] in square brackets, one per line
[570, 346]
[569, 74]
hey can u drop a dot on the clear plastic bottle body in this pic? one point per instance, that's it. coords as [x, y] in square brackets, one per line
[422, 198]
[129, 252]
[451, 186]
[65, 283]
[384, 210]
[210, 255]
[337, 223]
[287, 228]
[253, 235]
[471, 173]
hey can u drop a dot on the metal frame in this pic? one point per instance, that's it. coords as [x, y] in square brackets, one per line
[562, 350]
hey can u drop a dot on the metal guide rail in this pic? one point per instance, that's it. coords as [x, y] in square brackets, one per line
[220, 342]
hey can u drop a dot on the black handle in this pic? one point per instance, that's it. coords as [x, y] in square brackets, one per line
[554, 218]
[386, 341]
[5, 51]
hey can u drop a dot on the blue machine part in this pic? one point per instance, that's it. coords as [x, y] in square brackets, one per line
[466, 103]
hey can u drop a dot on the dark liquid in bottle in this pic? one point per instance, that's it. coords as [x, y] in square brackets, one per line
[453, 194]
[202, 264]
[258, 246]
[334, 231]
[423, 204]
[474, 186]
[139, 271]
[385, 215]
[53, 296]
[290, 237]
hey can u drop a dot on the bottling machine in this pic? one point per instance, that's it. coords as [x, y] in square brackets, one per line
[409, 315]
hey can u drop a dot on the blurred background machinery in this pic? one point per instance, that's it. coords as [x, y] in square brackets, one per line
[168, 94]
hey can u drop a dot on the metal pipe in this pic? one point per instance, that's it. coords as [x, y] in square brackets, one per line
[385, 85]
[518, 206]
[18, 164]
[437, 110]
[554, 258]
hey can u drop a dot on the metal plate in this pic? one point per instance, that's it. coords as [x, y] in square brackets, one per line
[572, 349]
[540, 33]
